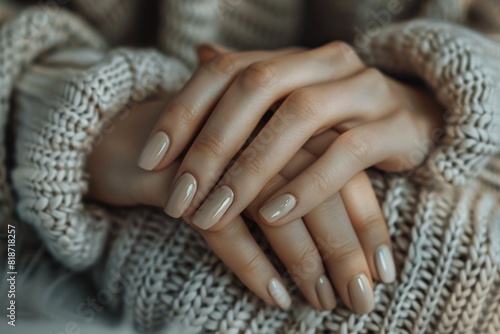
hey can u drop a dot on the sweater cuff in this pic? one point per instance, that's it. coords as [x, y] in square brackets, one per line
[23, 37]
[62, 112]
[462, 68]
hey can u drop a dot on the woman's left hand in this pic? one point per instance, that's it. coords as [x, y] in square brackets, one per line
[383, 122]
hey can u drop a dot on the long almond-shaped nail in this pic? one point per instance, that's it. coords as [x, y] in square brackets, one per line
[214, 208]
[182, 195]
[154, 150]
[385, 264]
[361, 294]
[279, 294]
[278, 208]
[325, 293]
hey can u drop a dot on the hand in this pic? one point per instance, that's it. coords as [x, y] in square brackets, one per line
[381, 120]
[352, 249]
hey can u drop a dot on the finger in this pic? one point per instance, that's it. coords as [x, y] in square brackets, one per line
[294, 246]
[208, 51]
[334, 234]
[296, 249]
[330, 227]
[369, 224]
[301, 115]
[190, 108]
[236, 116]
[236, 247]
[353, 151]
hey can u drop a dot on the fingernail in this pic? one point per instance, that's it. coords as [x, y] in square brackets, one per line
[279, 293]
[385, 264]
[361, 295]
[278, 208]
[154, 151]
[214, 208]
[182, 195]
[325, 293]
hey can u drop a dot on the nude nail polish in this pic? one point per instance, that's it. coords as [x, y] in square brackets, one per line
[278, 208]
[361, 294]
[182, 195]
[325, 293]
[214, 208]
[279, 294]
[154, 150]
[384, 262]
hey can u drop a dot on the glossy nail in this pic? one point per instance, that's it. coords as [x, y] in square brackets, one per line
[278, 208]
[325, 293]
[182, 195]
[279, 293]
[214, 208]
[384, 263]
[154, 150]
[361, 294]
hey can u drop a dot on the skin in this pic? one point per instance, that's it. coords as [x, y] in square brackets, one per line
[381, 121]
[315, 91]
[113, 160]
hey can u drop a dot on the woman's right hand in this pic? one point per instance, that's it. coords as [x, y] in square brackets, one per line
[344, 241]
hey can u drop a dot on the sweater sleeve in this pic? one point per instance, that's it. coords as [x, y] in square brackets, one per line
[66, 87]
[23, 37]
[462, 68]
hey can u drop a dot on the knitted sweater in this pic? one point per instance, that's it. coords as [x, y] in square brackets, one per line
[443, 217]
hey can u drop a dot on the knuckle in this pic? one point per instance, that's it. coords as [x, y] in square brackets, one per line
[343, 49]
[303, 104]
[224, 63]
[254, 262]
[211, 144]
[340, 46]
[230, 233]
[270, 188]
[256, 164]
[372, 224]
[346, 249]
[355, 144]
[374, 76]
[320, 182]
[184, 115]
[259, 75]
[308, 254]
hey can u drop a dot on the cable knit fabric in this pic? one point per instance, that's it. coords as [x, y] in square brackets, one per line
[443, 217]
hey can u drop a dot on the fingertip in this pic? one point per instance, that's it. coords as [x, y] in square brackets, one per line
[384, 264]
[324, 291]
[207, 51]
[279, 294]
[209, 214]
[154, 151]
[181, 196]
[277, 208]
[361, 294]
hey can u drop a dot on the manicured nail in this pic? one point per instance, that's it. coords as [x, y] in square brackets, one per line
[361, 295]
[214, 208]
[278, 208]
[279, 293]
[154, 151]
[182, 195]
[325, 293]
[385, 264]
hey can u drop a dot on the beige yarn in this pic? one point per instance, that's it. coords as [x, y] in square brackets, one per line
[444, 217]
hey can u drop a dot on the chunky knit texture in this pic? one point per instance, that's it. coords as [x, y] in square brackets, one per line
[443, 217]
